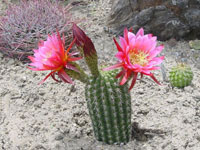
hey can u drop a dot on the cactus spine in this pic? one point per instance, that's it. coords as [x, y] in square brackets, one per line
[109, 107]
[181, 76]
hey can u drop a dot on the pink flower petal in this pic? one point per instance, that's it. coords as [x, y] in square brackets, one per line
[126, 35]
[73, 53]
[154, 68]
[53, 77]
[153, 39]
[141, 75]
[140, 32]
[150, 35]
[156, 51]
[113, 67]
[125, 78]
[120, 55]
[74, 58]
[64, 76]
[118, 46]
[133, 81]
[120, 74]
[70, 46]
[130, 29]
[132, 43]
[127, 50]
[153, 77]
[123, 43]
[47, 77]
[156, 61]
[146, 72]
[131, 36]
[71, 67]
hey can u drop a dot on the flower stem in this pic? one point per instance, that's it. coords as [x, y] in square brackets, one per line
[80, 75]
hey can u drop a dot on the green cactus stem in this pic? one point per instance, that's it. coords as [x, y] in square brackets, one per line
[181, 76]
[91, 61]
[78, 75]
[109, 107]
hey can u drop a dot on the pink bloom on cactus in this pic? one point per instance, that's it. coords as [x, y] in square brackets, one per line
[51, 55]
[137, 54]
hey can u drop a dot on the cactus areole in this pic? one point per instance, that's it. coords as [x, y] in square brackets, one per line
[108, 96]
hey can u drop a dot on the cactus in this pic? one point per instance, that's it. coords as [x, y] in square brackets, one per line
[27, 22]
[108, 99]
[109, 107]
[181, 76]
[109, 103]
[195, 44]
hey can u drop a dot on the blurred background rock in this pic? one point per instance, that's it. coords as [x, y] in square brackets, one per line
[164, 18]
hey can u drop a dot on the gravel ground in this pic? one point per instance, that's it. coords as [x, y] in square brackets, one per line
[54, 116]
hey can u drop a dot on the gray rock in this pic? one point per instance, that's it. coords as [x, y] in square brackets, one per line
[193, 17]
[144, 16]
[164, 18]
[121, 15]
[182, 4]
[59, 137]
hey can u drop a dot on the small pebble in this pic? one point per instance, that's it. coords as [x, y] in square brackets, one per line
[59, 137]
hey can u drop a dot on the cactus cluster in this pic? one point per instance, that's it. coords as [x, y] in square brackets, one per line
[27, 22]
[181, 76]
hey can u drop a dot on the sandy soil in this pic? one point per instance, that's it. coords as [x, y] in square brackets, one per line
[54, 116]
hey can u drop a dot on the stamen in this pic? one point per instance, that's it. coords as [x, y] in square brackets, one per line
[138, 57]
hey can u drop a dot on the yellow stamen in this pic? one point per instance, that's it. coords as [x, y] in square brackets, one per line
[66, 57]
[59, 68]
[138, 57]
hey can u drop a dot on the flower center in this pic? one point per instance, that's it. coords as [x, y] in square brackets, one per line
[139, 57]
[48, 55]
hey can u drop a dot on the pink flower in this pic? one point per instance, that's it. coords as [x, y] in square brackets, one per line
[52, 56]
[137, 54]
